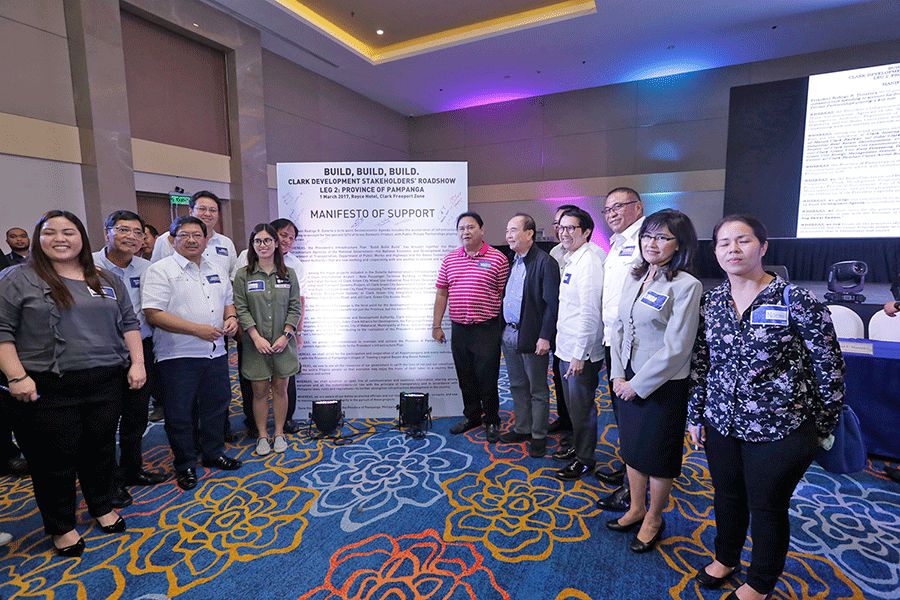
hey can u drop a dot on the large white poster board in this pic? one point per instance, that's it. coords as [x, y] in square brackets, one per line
[371, 238]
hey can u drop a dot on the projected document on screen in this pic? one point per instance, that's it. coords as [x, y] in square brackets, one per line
[850, 181]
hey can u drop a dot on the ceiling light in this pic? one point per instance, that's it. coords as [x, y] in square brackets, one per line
[380, 32]
[195, 25]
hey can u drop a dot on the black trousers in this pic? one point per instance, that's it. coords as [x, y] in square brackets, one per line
[476, 355]
[69, 432]
[133, 419]
[754, 482]
[562, 410]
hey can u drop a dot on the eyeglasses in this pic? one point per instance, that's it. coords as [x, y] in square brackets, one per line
[263, 241]
[569, 228]
[616, 207]
[125, 231]
[658, 238]
[184, 235]
[204, 209]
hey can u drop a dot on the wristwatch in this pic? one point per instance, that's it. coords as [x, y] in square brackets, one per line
[897, 305]
[289, 335]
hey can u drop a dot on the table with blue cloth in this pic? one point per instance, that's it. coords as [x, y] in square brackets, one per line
[873, 392]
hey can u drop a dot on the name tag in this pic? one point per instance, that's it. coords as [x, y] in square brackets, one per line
[485, 264]
[627, 251]
[221, 250]
[213, 279]
[135, 282]
[108, 292]
[256, 286]
[567, 277]
[769, 314]
[654, 299]
[282, 282]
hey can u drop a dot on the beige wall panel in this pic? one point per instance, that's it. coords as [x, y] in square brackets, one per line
[505, 163]
[593, 109]
[694, 146]
[35, 74]
[153, 157]
[589, 154]
[688, 97]
[290, 88]
[47, 15]
[504, 122]
[341, 146]
[352, 113]
[22, 136]
[438, 131]
[290, 138]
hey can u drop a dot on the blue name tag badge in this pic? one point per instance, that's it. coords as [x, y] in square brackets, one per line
[769, 314]
[108, 292]
[256, 286]
[567, 277]
[654, 299]
[213, 279]
[135, 282]
[627, 251]
[485, 264]
[221, 250]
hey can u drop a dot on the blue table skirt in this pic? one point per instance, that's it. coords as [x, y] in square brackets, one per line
[873, 391]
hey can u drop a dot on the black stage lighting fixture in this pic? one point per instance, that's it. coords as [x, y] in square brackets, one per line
[326, 414]
[414, 409]
[845, 280]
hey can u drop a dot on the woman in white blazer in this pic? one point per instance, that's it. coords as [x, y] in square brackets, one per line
[651, 350]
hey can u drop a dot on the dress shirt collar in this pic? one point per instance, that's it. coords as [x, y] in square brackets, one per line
[629, 234]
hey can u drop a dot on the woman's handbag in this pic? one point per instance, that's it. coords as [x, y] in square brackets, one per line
[848, 451]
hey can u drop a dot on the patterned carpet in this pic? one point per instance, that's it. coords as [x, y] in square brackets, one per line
[393, 517]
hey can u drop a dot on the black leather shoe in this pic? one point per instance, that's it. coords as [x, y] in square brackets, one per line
[17, 466]
[564, 454]
[573, 471]
[492, 433]
[640, 547]
[712, 583]
[290, 426]
[156, 414]
[537, 448]
[559, 425]
[892, 473]
[618, 501]
[464, 426]
[226, 463]
[611, 477]
[614, 525]
[187, 479]
[513, 437]
[75, 550]
[117, 527]
[146, 478]
[120, 498]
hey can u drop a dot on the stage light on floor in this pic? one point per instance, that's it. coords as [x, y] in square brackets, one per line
[414, 410]
[326, 414]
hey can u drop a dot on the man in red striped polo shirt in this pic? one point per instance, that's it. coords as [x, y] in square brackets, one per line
[471, 281]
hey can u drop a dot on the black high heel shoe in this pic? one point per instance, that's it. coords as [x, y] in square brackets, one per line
[117, 527]
[712, 583]
[614, 525]
[640, 547]
[73, 551]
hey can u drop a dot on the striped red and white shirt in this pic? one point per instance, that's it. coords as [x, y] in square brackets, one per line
[474, 284]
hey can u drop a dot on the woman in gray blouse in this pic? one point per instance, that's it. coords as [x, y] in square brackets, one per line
[69, 341]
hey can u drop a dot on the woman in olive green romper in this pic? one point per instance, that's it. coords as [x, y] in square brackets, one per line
[267, 299]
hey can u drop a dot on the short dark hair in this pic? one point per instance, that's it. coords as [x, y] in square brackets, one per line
[280, 224]
[627, 191]
[682, 228]
[8, 231]
[584, 219]
[152, 229]
[530, 225]
[204, 194]
[183, 220]
[759, 230]
[566, 207]
[122, 215]
[474, 215]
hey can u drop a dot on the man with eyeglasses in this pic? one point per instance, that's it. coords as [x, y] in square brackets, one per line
[624, 213]
[124, 238]
[471, 281]
[188, 299]
[206, 207]
[579, 340]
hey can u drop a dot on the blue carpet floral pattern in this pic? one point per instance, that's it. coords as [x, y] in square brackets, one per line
[388, 516]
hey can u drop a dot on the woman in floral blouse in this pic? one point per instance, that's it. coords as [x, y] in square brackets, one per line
[768, 386]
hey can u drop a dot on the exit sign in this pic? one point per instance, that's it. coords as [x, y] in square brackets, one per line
[179, 199]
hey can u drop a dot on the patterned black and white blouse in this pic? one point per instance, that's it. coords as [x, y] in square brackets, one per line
[748, 375]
